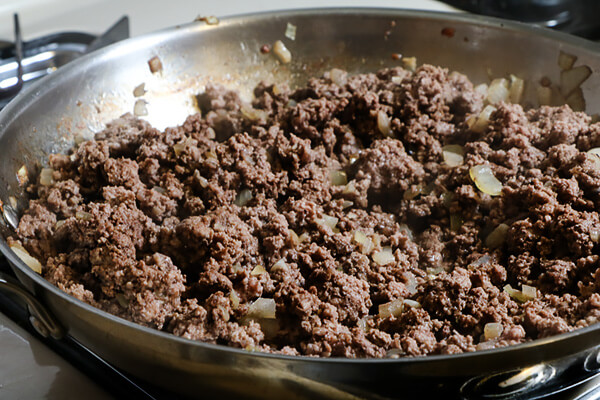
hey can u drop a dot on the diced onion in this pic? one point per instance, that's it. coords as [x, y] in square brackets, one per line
[529, 291]
[83, 215]
[412, 192]
[235, 299]
[576, 100]
[453, 155]
[201, 180]
[262, 308]
[485, 180]
[294, 237]
[22, 175]
[384, 257]
[481, 261]
[456, 222]
[363, 323]
[481, 89]
[282, 52]
[122, 300]
[595, 235]
[338, 178]
[139, 108]
[155, 64]
[517, 85]
[24, 255]
[338, 76]
[139, 90]
[479, 123]
[237, 268]
[411, 282]
[572, 79]
[365, 243]
[346, 204]
[497, 237]
[412, 303]
[253, 114]
[519, 295]
[394, 353]
[544, 95]
[258, 270]
[394, 308]
[46, 178]
[384, 123]
[328, 220]
[350, 188]
[498, 91]
[243, 198]
[280, 265]
[492, 330]
[290, 31]
[303, 237]
[566, 60]
[158, 189]
[434, 270]
[410, 63]
[397, 80]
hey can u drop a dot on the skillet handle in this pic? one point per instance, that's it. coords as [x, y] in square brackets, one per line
[41, 320]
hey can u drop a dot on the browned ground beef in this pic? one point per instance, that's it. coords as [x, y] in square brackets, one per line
[156, 227]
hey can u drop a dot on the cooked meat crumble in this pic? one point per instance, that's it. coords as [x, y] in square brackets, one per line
[327, 221]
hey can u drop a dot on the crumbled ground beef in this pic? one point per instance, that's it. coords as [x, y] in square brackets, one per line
[292, 223]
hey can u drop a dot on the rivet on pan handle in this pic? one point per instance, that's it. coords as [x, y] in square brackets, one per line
[40, 319]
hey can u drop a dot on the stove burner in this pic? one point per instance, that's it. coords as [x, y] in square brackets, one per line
[23, 62]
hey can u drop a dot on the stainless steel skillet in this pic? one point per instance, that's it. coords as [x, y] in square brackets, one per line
[86, 94]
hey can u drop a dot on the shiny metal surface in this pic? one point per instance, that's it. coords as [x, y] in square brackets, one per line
[43, 322]
[91, 91]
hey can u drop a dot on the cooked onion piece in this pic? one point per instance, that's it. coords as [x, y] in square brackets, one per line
[485, 180]
[384, 257]
[527, 293]
[497, 237]
[243, 198]
[566, 60]
[498, 91]
[365, 243]
[280, 265]
[24, 255]
[544, 95]
[338, 178]
[22, 175]
[394, 308]
[155, 64]
[453, 155]
[235, 300]
[258, 270]
[282, 52]
[479, 123]
[492, 330]
[383, 123]
[572, 79]
[262, 308]
[46, 178]
[576, 100]
[328, 220]
[410, 63]
[290, 31]
[412, 303]
[517, 85]
[139, 108]
[139, 90]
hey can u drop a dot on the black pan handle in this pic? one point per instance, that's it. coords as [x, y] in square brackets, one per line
[41, 320]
